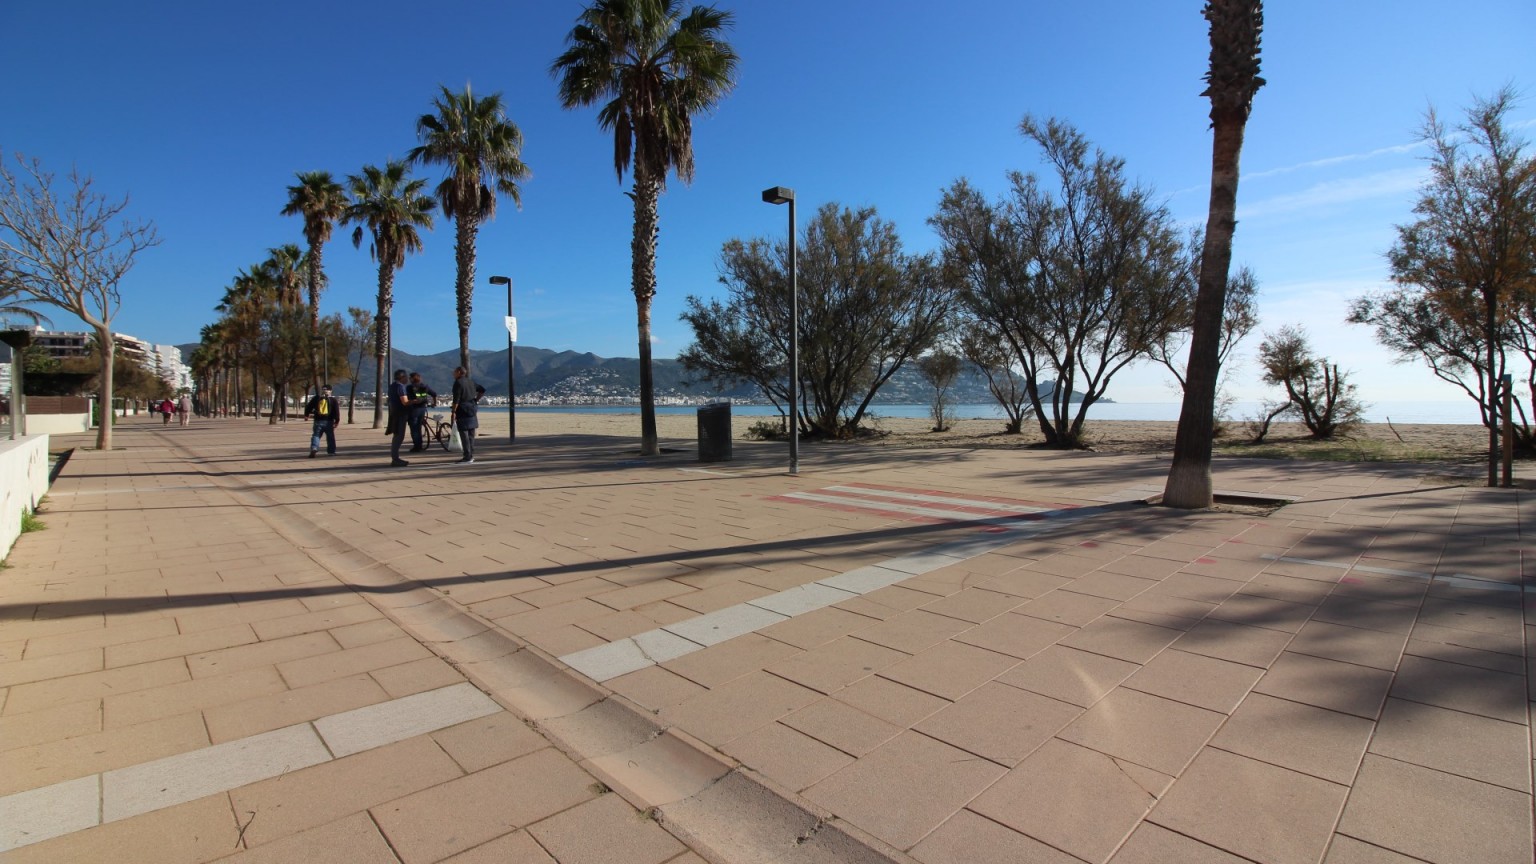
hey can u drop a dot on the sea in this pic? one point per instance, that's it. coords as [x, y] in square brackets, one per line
[1452, 413]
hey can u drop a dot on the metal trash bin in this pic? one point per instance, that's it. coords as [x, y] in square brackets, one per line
[715, 432]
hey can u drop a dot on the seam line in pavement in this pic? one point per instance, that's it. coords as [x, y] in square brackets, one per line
[85, 802]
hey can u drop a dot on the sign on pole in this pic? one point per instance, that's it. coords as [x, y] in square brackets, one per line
[512, 327]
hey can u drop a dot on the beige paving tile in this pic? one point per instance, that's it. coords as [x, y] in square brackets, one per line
[718, 664]
[1066, 607]
[354, 839]
[91, 686]
[934, 779]
[654, 688]
[99, 637]
[792, 759]
[1503, 643]
[1356, 645]
[967, 838]
[450, 818]
[1111, 586]
[1345, 687]
[366, 633]
[1016, 635]
[260, 654]
[913, 631]
[56, 761]
[1194, 679]
[1480, 748]
[1460, 688]
[1348, 850]
[950, 670]
[519, 847]
[893, 702]
[1252, 808]
[1122, 639]
[429, 673]
[593, 832]
[1251, 646]
[835, 665]
[886, 602]
[973, 604]
[320, 794]
[1300, 737]
[1158, 733]
[1072, 798]
[817, 628]
[265, 713]
[1069, 675]
[487, 741]
[311, 622]
[189, 833]
[55, 724]
[1000, 723]
[1498, 662]
[1197, 587]
[842, 726]
[738, 707]
[192, 696]
[1154, 844]
[1437, 817]
[1027, 584]
[350, 661]
[1266, 612]
[179, 645]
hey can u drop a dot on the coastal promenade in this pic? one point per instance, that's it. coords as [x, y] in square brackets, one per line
[220, 650]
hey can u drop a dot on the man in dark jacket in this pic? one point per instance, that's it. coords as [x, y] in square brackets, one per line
[421, 397]
[466, 410]
[326, 412]
[399, 411]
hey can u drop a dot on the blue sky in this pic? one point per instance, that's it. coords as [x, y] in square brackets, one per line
[204, 111]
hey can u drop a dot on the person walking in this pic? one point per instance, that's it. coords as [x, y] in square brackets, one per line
[399, 410]
[421, 397]
[165, 408]
[326, 412]
[466, 409]
[184, 409]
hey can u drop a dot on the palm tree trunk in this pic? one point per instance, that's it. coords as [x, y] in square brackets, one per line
[643, 282]
[1189, 483]
[467, 228]
[381, 335]
[315, 274]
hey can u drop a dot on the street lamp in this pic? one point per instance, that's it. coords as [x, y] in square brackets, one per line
[511, 344]
[780, 195]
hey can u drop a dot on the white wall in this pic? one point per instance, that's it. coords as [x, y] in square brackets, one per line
[23, 482]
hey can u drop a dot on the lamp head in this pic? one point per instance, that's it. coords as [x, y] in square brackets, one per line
[500, 280]
[778, 195]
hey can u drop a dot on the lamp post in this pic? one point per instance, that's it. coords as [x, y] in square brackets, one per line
[780, 195]
[511, 346]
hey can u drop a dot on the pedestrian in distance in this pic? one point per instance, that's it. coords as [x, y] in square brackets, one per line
[421, 397]
[466, 409]
[165, 408]
[184, 409]
[326, 412]
[399, 411]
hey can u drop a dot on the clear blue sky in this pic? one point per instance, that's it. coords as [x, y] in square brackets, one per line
[204, 111]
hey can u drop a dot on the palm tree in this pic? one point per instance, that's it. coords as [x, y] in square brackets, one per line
[286, 265]
[652, 69]
[482, 152]
[390, 205]
[1232, 81]
[321, 201]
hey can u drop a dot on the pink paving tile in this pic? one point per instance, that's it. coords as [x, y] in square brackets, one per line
[967, 838]
[905, 789]
[1437, 817]
[1253, 809]
[1149, 730]
[1000, 723]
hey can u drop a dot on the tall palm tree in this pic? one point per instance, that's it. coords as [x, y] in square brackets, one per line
[1232, 81]
[482, 152]
[321, 201]
[652, 68]
[286, 266]
[390, 205]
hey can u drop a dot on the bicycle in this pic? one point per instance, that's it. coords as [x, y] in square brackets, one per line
[440, 429]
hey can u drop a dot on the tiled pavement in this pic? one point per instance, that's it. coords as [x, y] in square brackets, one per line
[218, 649]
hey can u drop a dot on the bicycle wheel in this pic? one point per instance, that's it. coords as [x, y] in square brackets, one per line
[444, 434]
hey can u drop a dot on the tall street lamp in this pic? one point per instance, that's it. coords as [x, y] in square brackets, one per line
[780, 195]
[511, 344]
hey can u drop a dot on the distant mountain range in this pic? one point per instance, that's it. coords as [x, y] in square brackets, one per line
[567, 377]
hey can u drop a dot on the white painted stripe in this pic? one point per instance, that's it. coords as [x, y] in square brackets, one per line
[723, 624]
[75, 805]
[865, 579]
[936, 499]
[802, 599]
[52, 811]
[610, 660]
[128, 792]
[661, 646]
[398, 719]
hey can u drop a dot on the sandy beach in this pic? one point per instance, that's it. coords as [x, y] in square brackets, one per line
[1455, 442]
